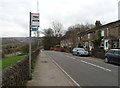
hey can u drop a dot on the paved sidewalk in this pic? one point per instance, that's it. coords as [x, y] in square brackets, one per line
[46, 73]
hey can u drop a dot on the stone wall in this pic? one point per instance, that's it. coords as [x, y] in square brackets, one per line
[98, 53]
[18, 73]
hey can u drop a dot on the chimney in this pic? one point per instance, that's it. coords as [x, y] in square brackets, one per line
[97, 23]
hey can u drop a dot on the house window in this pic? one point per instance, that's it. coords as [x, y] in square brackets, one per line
[69, 43]
[106, 44]
[88, 36]
[115, 45]
[78, 38]
[86, 44]
[102, 33]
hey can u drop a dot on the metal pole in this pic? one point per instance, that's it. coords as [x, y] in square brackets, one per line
[38, 27]
[30, 48]
[37, 6]
[38, 38]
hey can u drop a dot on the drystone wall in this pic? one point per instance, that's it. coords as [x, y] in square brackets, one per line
[18, 73]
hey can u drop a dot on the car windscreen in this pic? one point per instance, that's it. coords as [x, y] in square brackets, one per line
[74, 49]
[81, 49]
[111, 51]
[117, 52]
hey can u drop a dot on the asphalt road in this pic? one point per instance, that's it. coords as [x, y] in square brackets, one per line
[86, 71]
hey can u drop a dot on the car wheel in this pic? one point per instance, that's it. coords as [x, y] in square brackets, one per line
[106, 60]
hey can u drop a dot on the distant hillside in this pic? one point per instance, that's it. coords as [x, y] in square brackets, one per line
[22, 39]
[14, 40]
[18, 40]
[9, 41]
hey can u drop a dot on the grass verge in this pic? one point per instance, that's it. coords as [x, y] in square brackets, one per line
[6, 62]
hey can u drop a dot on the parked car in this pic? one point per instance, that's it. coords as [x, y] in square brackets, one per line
[113, 55]
[80, 52]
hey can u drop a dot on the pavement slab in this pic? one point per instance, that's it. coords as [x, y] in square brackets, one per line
[46, 73]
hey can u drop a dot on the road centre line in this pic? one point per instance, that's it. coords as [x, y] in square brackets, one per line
[96, 66]
[97, 60]
[90, 64]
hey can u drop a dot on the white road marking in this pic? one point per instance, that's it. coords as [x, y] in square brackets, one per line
[70, 57]
[90, 64]
[96, 66]
[65, 72]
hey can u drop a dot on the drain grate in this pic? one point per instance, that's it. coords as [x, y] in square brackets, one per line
[44, 61]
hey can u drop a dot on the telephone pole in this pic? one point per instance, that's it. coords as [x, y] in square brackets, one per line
[38, 35]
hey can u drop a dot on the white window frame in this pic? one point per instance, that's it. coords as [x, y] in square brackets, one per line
[102, 33]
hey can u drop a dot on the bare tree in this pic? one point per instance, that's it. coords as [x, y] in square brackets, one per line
[57, 28]
[48, 38]
[72, 32]
[48, 32]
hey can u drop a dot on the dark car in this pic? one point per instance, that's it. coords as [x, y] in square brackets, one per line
[113, 55]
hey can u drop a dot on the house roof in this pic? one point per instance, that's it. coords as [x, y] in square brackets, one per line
[109, 25]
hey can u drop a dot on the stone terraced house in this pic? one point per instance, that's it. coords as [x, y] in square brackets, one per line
[110, 33]
[110, 37]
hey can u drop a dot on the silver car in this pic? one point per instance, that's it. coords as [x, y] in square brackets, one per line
[80, 52]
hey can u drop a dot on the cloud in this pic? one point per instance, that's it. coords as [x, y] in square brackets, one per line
[14, 17]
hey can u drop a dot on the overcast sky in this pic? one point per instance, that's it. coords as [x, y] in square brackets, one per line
[14, 14]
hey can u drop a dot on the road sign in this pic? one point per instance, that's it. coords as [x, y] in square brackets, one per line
[35, 26]
[35, 20]
[34, 29]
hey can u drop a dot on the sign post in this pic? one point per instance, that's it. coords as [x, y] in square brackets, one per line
[34, 24]
[35, 21]
[30, 47]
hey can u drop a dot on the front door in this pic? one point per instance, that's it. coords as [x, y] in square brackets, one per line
[106, 45]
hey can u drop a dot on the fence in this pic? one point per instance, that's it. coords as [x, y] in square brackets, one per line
[18, 73]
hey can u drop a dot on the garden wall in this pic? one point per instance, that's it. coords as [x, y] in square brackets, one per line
[98, 53]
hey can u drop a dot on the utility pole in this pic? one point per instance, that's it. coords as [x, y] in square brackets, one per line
[38, 35]
[33, 26]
